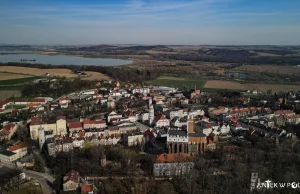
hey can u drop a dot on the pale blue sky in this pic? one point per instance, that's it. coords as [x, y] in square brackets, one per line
[150, 22]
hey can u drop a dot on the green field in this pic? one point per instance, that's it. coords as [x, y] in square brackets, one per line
[18, 106]
[178, 82]
[27, 190]
[19, 81]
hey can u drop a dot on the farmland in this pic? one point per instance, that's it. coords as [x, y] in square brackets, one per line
[287, 70]
[6, 76]
[53, 72]
[219, 84]
[178, 82]
[20, 81]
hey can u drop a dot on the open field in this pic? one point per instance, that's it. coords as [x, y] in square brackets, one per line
[27, 189]
[259, 87]
[178, 82]
[7, 76]
[288, 70]
[224, 85]
[4, 94]
[52, 72]
[273, 87]
[20, 81]
[95, 76]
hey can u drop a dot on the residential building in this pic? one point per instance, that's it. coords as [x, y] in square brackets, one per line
[71, 181]
[20, 150]
[161, 121]
[132, 139]
[113, 115]
[8, 157]
[8, 131]
[172, 164]
[145, 91]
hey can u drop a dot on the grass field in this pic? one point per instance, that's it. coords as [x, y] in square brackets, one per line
[18, 106]
[178, 82]
[4, 94]
[18, 81]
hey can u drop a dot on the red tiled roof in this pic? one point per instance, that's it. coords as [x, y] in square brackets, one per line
[72, 176]
[86, 121]
[7, 128]
[208, 126]
[61, 99]
[4, 102]
[172, 158]
[86, 188]
[16, 147]
[159, 116]
[100, 122]
[61, 117]
[75, 125]
[38, 100]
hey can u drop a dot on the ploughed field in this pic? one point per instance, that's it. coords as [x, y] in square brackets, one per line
[231, 85]
[287, 70]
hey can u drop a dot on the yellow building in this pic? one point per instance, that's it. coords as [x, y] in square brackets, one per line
[58, 128]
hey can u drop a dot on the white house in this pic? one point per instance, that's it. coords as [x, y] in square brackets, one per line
[140, 90]
[177, 136]
[161, 121]
[113, 115]
[142, 116]
[130, 115]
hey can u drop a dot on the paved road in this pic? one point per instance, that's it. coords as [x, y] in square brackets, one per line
[42, 179]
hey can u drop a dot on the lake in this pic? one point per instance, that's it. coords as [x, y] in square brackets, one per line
[59, 59]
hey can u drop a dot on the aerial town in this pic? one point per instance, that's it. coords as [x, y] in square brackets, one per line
[79, 141]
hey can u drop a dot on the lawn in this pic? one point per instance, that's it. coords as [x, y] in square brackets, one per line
[178, 82]
[18, 106]
[18, 81]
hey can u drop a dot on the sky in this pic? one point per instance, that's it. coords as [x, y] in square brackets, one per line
[164, 22]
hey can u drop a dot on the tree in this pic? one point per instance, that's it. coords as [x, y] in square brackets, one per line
[269, 92]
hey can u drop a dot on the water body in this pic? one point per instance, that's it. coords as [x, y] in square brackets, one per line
[237, 75]
[59, 59]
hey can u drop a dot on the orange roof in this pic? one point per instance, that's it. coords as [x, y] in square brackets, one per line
[61, 99]
[172, 158]
[16, 147]
[86, 121]
[86, 188]
[32, 105]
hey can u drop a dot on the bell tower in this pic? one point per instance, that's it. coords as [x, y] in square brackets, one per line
[190, 124]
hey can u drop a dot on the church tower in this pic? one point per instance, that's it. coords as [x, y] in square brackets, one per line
[190, 124]
[41, 137]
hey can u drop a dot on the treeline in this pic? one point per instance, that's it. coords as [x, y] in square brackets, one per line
[121, 73]
[59, 88]
[278, 60]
